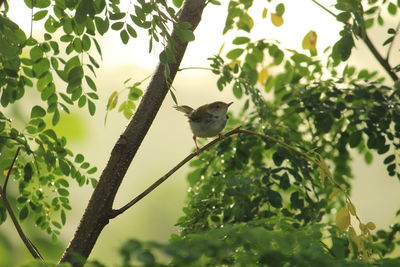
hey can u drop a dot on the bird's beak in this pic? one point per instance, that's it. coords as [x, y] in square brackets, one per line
[229, 104]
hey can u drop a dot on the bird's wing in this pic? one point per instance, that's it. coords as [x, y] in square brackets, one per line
[199, 113]
[185, 109]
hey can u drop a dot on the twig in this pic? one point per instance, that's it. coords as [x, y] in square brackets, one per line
[32, 249]
[384, 62]
[324, 8]
[9, 172]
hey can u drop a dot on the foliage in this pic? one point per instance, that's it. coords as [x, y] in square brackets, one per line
[262, 242]
[61, 66]
[252, 200]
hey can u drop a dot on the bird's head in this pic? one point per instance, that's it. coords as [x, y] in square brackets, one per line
[218, 108]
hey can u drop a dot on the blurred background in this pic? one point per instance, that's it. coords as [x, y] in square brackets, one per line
[169, 139]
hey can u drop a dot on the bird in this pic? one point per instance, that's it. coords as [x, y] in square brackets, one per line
[207, 120]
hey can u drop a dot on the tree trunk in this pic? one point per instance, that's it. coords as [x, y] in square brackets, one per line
[97, 213]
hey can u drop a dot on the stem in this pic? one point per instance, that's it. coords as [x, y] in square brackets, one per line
[115, 213]
[392, 43]
[32, 249]
[9, 172]
[195, 68]
[324, 8]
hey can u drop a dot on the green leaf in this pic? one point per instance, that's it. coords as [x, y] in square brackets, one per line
[131, 31]
[355, 139]
[41, 67]
[280, 9]
[82, 101]
[392, 9]
[23, 213]
[117, 26]
[64, 166]
[177, 3]
[342, 48]
[124, 36]
[63, 192]
[75, 76]
[343, 17]
[51, 133]
[63, 217]
[117, 16]
[93, 96]
[274, 198]
[79, 158]
[234, 53]
[185, 35]
[91, 107]
[92, 170]
[40, 15]
[90, 83]
[38, 112]
[389, 159]
[323, 122]
[102, 25]
[237, 90]
[240, 40]
[86, 43]
[28, 172]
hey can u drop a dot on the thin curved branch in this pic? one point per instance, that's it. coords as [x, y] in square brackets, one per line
[32, 249]
[115, 213]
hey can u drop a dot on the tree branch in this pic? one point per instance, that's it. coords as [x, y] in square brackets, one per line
[115, 213]
[364, 36]
[384, 62]
[97, 213]
[32, 249]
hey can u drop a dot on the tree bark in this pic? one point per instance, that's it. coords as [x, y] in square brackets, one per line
[98, 211]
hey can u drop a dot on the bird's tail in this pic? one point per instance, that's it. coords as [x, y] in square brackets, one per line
[185, 109]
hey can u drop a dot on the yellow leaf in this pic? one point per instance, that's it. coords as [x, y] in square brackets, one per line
[262, 76]
[363, 228]
[343, 218]
[264, 13]
[371, 226]
[292, 51]
[112, 100]
[276, 19]
[334, 193]
[310, 41]
[220, 49]
[351, 208]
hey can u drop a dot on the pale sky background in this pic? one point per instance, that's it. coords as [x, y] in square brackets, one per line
[169, 139]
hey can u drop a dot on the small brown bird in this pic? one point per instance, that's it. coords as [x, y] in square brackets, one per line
[206, 121]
